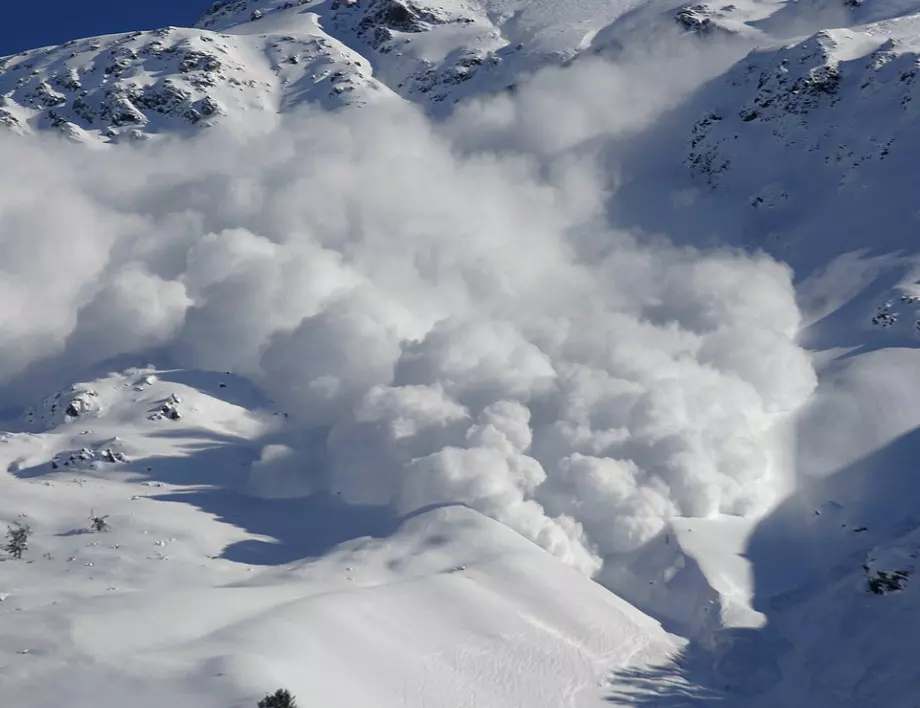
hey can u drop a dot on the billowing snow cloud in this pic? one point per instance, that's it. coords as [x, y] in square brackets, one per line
[457, 324]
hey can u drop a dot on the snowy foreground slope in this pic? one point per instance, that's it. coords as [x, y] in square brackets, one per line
[199, 594]
[479, 345]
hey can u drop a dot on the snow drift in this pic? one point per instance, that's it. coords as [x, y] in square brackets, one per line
[455, 324]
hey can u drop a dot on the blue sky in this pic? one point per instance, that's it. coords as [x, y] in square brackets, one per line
[33, 23]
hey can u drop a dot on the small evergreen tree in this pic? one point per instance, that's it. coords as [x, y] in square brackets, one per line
[17, 539]
[281, 698]
[98, 523]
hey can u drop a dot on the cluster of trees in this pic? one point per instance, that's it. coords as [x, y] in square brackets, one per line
[281, 698]
[17, 536]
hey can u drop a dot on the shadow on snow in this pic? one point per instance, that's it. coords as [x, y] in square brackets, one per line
[817, 539]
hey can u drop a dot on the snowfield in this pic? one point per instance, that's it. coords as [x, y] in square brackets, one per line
[200, 592]
[484, 353]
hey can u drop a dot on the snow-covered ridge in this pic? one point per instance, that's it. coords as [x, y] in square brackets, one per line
[172, 80]
[247, 61]
[433, 51]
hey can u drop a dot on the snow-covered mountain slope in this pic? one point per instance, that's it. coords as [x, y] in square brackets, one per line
[833, 568]
[804, 148]
[199, 594]
[172, 80]
[801, 148]
[247, 62]
[430, 51]
[814, 100]
[433, 51]
[694, 577]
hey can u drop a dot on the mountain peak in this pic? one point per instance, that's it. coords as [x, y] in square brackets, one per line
[228, 13]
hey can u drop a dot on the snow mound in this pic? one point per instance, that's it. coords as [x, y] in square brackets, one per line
[142, 396]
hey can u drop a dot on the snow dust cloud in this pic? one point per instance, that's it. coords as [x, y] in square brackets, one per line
[453, 322]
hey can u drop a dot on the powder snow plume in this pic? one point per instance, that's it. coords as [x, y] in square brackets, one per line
[446, 323]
